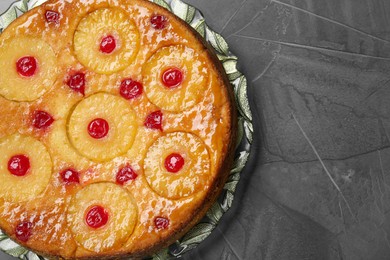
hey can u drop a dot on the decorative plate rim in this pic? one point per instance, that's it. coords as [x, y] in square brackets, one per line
[202, 230]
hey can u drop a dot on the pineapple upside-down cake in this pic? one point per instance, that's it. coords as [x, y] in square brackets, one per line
[117, 128]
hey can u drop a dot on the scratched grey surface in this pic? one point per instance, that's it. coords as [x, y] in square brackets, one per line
[318, 182]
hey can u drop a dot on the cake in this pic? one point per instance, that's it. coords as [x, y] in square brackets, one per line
[117, 129]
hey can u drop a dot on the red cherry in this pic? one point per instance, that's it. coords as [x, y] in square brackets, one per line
[174, 162]
[98, 128]
[23, 231]
[125, 174]
[154, 120]
[108, 44]
[77, 82]
[96, 217]
[70, 176]
[52, 16]
[42, 119]
[130, 89]
[26, 66]
[158, 21]
[172, 77]
[161, 223]
[19, 165]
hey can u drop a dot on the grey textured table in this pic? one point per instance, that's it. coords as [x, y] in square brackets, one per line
[317, 185]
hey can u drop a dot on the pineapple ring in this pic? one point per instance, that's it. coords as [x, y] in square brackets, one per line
[192, 88]
[27, 187]
[99, 24]
[192, 177]
[122, 212]
[16, 87]
[122, 123]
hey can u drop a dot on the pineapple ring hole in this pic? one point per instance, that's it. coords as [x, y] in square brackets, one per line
[96, 217]
[172, 77]
[27, 66]
[98, 128]
[108, 44]
[174, 162]
[19, 165]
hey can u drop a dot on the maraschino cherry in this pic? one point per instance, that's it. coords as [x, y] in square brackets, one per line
[130, 89]
[27, 66]
[161, 223]
[125, 174]
[19, 165]
[52, 16]
[70, 176]
[154, 120]
[42, 119]
[172, 77]
[159, 21]
[97, 217]
[108, 44]
[174, 162]
[77, 82]
[98, 128]
[23, 231]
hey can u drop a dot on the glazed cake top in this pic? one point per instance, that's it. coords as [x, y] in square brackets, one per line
[116, 128]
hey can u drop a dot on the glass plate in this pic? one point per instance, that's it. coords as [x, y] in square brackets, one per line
[245, 128]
